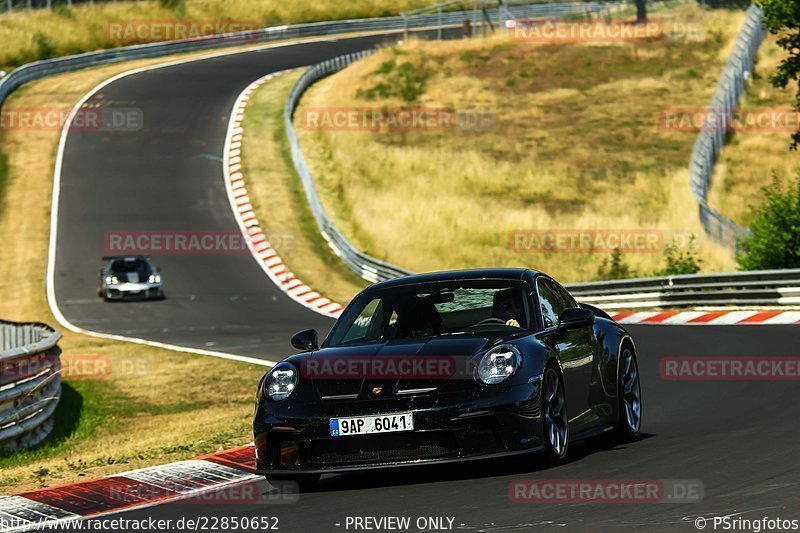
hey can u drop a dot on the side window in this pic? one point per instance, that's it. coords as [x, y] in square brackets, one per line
[565, 296]
[362, 325]
[550, 303]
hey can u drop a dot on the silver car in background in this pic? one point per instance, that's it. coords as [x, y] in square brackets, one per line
[130, 277]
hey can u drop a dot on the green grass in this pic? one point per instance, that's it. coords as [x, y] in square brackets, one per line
[96, 410]
[84, 408]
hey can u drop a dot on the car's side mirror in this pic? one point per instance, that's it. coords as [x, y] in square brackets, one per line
[305, 340]
[575, 317]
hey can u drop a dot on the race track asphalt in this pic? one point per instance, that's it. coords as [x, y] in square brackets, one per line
[739, 439]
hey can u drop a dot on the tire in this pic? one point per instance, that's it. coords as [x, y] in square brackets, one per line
[629, 396]
[305, 482]
[555, 422]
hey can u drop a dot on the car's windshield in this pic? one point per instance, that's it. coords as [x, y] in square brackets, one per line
[429, 309]
[127, 267]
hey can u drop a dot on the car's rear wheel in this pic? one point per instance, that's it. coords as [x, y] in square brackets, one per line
[554, 411]
[305, 482]
[629, 394]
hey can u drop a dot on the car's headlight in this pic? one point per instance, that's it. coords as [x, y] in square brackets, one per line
[154, 278]
[499, 364]
[281, 381]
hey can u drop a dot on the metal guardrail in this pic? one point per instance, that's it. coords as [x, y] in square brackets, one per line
[30, 383]
[367, 267]
[756, 288]
[23, 5]
[731, 85]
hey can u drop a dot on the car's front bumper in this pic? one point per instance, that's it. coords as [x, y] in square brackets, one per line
[458, 426]
[126, 291]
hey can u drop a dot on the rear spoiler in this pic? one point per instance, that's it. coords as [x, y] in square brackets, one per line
[597, 311]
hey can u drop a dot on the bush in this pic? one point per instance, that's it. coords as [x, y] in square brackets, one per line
[172, 4]
[775, 239]
[403, 80]
[680, 262]
[616, 269]
[44, 48]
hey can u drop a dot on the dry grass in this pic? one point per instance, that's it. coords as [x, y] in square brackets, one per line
[114, 423]
[278, 198]
[28, 36]
[577, 145]
[751, 158]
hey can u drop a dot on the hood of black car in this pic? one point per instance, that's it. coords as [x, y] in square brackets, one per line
[391, 368]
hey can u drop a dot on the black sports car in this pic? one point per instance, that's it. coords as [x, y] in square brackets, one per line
[448, 366]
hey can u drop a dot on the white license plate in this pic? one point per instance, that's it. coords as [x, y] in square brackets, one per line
[366, 425]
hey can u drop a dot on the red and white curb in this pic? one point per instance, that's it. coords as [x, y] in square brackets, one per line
[707, 318]
[257, 241]
[184, 480]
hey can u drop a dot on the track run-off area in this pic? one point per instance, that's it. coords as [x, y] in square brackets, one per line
[738, 439]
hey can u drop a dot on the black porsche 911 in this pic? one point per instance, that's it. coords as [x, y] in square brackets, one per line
[448, 366]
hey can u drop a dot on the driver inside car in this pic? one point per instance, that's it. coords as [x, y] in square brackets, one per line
[507, 306]
[418, 318]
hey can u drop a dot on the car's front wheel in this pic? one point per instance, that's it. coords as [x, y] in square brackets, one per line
[554, 415]
[629, 395]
